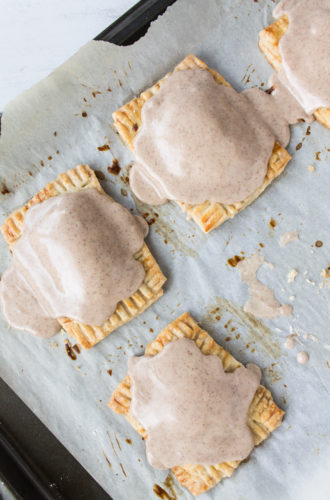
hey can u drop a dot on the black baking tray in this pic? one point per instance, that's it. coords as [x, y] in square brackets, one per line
[34, 465]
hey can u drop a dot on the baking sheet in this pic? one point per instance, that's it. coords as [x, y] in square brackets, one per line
[44, 133]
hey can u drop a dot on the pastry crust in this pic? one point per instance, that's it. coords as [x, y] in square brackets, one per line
[269, 39]
[264, 416]
[208, 215]
[76, 179]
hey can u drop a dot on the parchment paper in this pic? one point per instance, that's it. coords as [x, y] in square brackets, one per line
[70, 396]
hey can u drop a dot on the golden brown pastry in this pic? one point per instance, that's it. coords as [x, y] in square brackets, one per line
[208, 215]
[79, 178]
[264, 416]
[269, 39]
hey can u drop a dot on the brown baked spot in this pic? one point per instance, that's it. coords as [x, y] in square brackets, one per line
[128, 441]
[135, 127]
[55, 133]
[114, 168]
[125, 180]
[42, 163]
[233, 261]
[100, 175]
[84, 114]
[272, 223]
[70, 352]
[317, 155]
[318, 243]
[105, 147]
[4, 189]
[299, 146]
[94, 94]
[308, 131]
[123, 470]
[76, 348]
[109, 372]
[261, 245]
[270, 90]
[107, 460]
[161, 493]
[327, 272]
[50, 158]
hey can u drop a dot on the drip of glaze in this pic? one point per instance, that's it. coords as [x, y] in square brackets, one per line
[288, 237]
[302, 357]
[262, 302]
[290, 342]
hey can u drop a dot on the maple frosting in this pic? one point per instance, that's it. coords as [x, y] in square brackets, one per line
[200, 141]
[75, 258]
[192, 410]
[305, 52]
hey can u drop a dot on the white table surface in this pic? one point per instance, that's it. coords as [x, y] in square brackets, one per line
[38, 35]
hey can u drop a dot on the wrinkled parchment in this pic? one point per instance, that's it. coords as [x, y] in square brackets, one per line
[44, 133]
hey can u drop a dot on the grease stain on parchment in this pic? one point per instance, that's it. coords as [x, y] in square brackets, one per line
[165, 228]
[106, 459]
[169, 489]
[115, 452]
[258, 333]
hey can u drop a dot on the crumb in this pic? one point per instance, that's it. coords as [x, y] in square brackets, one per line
[292, 275]
[233, 261]
[325, 273]
[105, 147]
[272, 223]
[114, 168]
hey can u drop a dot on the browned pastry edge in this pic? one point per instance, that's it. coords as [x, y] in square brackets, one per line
[269, 39]
[76, 179]
[264, 416]
[208, 215]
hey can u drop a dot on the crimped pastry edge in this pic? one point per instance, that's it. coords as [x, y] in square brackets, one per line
[264, 416]
[83, 177]
[208, 215]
